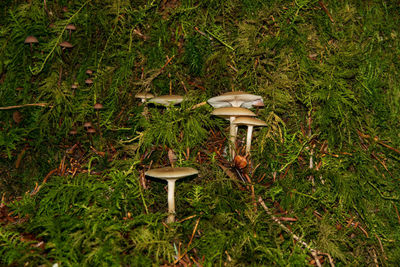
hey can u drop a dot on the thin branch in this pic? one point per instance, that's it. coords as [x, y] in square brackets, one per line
[326, 10]
[26, 105]
[314, 252]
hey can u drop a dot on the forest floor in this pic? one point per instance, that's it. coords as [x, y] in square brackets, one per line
[320, 187]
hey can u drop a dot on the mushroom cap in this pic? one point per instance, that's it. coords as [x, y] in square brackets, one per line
[71, 27]
[98, 106]
[87, 124]
[89, 72]
[233, 99]
[31, 39]
[74, 86]
[249, 121]
[144, 95]
[227, 112]
[90, 130]
[66, 44]
[167, 100]
[89, 81]
[73, 132]
[169, 173]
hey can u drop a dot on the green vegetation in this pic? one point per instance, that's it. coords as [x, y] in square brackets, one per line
[326, 167]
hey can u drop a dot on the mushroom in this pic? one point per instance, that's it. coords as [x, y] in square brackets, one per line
[90, 132]
[234, 99]
[70, 28]
[89, 82]
[232, 113]
[74, 86]
[66, 45]
[87, 125]
[167, 100]
[144, 96]
[31, 40]
[89, 72]
[250, 122]
[171, 175]
[73, 132]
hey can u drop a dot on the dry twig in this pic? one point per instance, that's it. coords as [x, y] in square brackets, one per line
[26, 105]
[314, 252]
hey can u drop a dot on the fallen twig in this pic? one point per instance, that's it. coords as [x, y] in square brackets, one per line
[26, 105]
[376, 139]
[190, 242]
[380, 244]
[147, 81]
[326, 10]
[37, 188]
[314, 252]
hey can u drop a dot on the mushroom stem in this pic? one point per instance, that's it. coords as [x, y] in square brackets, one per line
[232, 137]
[98, 121]
[237, 103]
[171, 200]
[248, 140]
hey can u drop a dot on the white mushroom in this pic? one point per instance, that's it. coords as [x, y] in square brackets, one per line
[234, 99]
[171, 175]
[250, 122]
[144, 96]
[231, 113]
[167, 100]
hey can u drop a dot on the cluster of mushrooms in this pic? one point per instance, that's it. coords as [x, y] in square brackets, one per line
[233, 106]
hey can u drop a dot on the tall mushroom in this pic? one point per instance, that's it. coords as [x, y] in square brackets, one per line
[70, 28]
[250, 122]
[170, 175]
[31, 40]
[234, 99]
[231, 113]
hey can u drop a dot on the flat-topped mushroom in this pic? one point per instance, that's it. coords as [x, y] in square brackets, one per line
[170, 175]
[66, 44]
[234, 99]
[143, 96]
[31, 40]
[167, 100]
[89, 81]
[70, 28]
[231, 113]
[250, 122]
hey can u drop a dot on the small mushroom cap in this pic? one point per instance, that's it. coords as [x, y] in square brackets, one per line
[88, 124]
[73, 132]
[144, 95]
[167, 100]
[98, 106]
[228, 112]
[90, 130]
[249, 121]
[89, 81]
[71, 27]
[66, 44]
[74, 86]
[229, 99]
[169, 173]
[89, 72]
[31, 39]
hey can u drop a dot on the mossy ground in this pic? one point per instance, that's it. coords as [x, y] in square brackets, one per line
[328, 72]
